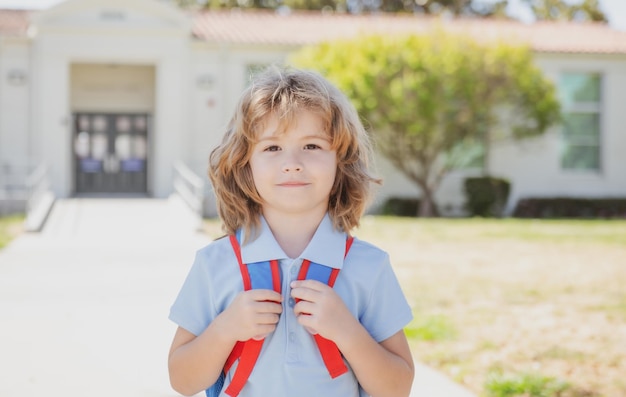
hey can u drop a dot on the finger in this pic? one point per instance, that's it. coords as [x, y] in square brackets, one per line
[269, 307]
[265, 295]
[264, 332]
[306, 321]
[304, 307]
[311, 284]
[267, 319]
[305, 294]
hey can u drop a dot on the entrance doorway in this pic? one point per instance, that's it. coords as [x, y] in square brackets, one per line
[111, 152]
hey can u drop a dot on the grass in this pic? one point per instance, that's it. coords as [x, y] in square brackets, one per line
[541, 301]
[525, 385]
[431, 327]
[511, 307]
[530, 230]
[10, 227]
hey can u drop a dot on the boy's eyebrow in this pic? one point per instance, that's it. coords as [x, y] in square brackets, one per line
[275, 137]
[317, 136]
[267, 138]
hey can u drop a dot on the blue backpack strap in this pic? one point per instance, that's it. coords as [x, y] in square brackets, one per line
[258, 275]
[214, 391]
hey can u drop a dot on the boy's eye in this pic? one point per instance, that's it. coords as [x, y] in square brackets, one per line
[311, 146]
[272, 148]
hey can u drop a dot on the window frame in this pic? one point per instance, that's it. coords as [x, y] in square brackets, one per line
[570, 106]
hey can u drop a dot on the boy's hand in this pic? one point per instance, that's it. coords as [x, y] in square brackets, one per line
[252, 314]
[320, 310]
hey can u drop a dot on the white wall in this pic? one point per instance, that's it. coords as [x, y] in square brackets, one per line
[15, 140]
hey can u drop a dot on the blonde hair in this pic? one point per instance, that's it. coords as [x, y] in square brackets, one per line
[283, 92]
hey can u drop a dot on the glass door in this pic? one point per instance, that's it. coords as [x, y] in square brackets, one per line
[110, 152]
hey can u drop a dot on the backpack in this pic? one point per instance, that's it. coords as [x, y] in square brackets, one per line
[266, 275]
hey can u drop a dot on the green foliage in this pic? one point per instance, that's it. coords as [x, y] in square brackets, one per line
[486, 196]
[424, 95]
[524, 385]
[542, 9]
[10, 227]
[430, 328]
[551, 10]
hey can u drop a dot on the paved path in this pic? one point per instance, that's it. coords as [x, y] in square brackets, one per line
[84, 303]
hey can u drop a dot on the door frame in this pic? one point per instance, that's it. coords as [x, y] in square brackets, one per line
[130, 176]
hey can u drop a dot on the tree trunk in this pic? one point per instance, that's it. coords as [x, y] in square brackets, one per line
[427, 207]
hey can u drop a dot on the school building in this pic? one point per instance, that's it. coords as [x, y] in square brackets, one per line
[123, 96]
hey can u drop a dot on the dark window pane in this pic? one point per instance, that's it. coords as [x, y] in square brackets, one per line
[581, 158]
[579, 87]
[581, 128]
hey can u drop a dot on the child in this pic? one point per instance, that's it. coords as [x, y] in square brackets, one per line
[291, 181]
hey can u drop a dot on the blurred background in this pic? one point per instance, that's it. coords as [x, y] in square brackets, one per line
[499, 129]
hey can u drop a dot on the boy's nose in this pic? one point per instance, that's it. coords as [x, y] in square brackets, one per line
[292, 163]
[291, 167]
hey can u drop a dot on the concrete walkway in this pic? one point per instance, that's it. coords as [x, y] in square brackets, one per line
[84, 303]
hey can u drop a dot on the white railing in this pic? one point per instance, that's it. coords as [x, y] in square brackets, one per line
[37, 185]
[39, 200]
[190, 188]
[13, 193]
[26, 190]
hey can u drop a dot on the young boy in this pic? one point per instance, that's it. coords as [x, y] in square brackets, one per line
[291, 179]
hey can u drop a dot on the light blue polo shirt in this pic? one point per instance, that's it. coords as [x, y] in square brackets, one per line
[290, 363]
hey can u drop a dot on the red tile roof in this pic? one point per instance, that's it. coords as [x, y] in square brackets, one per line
[14, 22]
[299, 28]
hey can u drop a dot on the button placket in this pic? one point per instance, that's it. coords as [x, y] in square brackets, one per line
[291, 321]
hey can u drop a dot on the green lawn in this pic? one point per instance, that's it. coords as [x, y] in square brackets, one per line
[514, 307]
[10, 227]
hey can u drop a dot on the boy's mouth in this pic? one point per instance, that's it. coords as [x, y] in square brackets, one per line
[292, 184]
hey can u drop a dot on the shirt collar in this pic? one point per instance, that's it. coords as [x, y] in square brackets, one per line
[327, 247]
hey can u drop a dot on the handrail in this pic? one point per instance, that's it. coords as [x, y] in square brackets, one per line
[37, 184]
[190, 188]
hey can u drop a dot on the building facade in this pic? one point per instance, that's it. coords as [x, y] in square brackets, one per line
[109, 94]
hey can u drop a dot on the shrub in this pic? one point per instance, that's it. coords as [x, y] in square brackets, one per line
[399, 206]
[404, 206]
[486, 196]
[566, 207]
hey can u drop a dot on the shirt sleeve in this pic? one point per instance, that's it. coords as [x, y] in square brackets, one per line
[387, 311]
[193, 308]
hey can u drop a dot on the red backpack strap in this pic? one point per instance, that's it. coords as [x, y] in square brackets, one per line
[249, 354]
[265, 275]
[328, 349]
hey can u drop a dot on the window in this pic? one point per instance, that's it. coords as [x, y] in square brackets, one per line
[581, 102]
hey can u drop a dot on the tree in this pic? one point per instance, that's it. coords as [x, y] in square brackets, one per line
[585, 10]
[553, 10]
[425, 98]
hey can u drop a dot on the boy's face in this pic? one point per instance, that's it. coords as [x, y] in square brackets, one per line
[294, 171]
